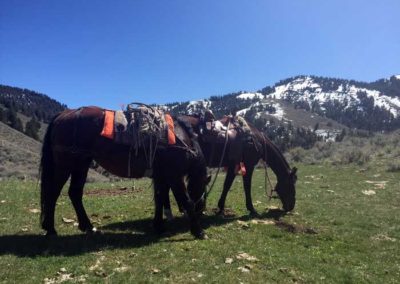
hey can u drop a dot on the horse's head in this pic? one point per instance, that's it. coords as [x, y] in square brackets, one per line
[286, 189]
[197, 188]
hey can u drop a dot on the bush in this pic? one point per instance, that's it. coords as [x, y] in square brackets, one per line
[393, 166]
[297, 154]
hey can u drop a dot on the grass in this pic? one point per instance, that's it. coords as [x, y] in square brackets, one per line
[337, 234]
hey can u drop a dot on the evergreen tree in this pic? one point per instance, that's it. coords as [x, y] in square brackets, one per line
[32, 128]
[13, 120]
[2, 115]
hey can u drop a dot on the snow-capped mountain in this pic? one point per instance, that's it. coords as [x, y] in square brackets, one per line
[372, 106]
[308, 90]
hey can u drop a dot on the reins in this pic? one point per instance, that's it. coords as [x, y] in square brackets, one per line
[221, 160]
[266, 176]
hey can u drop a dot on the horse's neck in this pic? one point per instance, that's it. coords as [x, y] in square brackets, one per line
[276, 161]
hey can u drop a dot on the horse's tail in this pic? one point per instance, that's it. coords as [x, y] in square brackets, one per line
[46, 170]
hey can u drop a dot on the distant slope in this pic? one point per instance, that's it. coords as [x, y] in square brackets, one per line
[370, 106]
[20, 155]
[30, 103]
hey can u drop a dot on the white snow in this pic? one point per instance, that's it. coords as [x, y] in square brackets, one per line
[279, 114]
[246, 96]
[305, 89]
[242, 112]
[196, 106]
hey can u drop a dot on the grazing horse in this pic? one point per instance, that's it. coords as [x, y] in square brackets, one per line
[73, 141]
[250, 152]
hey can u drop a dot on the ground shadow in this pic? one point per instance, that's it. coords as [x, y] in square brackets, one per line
[119, 235]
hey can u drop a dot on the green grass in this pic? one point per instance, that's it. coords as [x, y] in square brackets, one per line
[337, 234]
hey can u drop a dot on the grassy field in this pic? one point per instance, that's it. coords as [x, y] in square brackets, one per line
[345, 229]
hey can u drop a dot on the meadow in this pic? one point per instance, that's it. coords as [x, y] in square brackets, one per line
[345, 229]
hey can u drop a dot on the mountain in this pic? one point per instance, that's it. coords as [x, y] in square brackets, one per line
[301, 110]
[19, 153]
[27, 111]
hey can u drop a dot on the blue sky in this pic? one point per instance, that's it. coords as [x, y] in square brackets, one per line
[109, 53]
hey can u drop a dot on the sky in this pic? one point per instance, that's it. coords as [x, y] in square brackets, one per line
[110, 53]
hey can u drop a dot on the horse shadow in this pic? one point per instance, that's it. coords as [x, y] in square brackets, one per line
[118, 235]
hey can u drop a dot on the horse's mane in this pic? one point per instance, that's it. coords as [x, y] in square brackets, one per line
[263, 139]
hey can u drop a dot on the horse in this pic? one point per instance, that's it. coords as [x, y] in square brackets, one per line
[249, 153]
[72, 141]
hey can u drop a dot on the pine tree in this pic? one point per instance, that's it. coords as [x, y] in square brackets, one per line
[2, 115]
[14, 121]
[32, 128]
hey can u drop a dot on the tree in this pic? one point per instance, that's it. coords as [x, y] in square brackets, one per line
[316, 126]
[14, 121]
[32, 128]
[2, 115]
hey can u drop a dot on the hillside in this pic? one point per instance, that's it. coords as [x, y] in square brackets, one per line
[30, 103]
[301, 110]
[370, 106]
[20, 155]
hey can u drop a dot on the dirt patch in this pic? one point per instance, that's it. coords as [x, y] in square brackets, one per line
[113, 191]
[294, 228]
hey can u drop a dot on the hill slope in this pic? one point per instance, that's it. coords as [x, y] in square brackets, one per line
[20, 155]
[370, 106]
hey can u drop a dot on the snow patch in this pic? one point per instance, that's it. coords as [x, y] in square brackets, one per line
[305, 89]
[246, 96]
[243, 112]
[279, 113]
[196, 106]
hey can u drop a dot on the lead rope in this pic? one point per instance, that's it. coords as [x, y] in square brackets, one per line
[222, 159]
[266, 176]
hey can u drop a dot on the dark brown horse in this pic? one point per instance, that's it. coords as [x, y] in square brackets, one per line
[73, 141]
[250, 152]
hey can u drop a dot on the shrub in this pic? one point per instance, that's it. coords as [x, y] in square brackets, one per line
[393, 166]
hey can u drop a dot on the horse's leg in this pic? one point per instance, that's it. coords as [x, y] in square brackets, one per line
[49, 198]
[78, 179]
[161, 191]
[179, 189]
[167, 207]
[247, 189]
[230, 176]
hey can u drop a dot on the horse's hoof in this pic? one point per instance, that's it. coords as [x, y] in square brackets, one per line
[93, 231]
[51, 233]
[201, 235]
[168, 214]
[254, 214]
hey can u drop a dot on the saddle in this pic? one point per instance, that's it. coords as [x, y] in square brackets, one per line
[236, 128]
[139, 126]
[215, 131]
